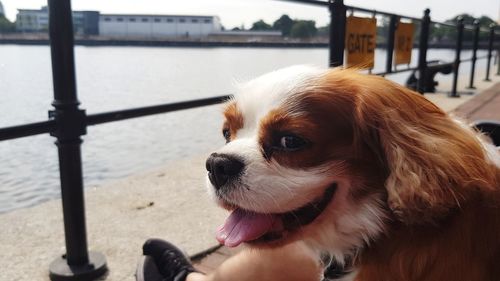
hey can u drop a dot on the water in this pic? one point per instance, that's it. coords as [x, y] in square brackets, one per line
[111, 78]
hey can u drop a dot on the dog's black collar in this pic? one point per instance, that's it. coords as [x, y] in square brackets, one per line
[308, 213]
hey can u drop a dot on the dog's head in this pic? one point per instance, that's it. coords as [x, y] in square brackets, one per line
[332, 156]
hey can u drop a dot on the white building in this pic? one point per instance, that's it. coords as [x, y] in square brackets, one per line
[157, 26]
[29, 20]
[32, 20]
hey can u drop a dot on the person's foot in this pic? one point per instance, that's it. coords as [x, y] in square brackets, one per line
[147, 270]
[170, 262]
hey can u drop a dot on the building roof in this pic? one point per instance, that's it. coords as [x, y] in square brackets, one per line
[45, 9]
[30, 10]
[158, 16]
[2, 12]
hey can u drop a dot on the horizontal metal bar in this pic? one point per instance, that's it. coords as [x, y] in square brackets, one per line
[485, 30]
[376, 12]
[94, 119]
[444, 24]
[310, 2]
[359, 9]
[396, 71]
[468, 27]
[26, 130]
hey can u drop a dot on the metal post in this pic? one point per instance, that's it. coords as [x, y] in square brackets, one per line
[474, 55]
[422, 49]
[390, 42]
[337, 32]
[458, 50]
[490, 50]
[77, 263]
[498, 61]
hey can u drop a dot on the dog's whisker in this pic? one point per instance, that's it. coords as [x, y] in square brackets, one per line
[269, 195]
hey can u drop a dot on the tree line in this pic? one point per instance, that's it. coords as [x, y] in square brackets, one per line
[440, 33]
[289, 27]
[6, 26]
[298, 28]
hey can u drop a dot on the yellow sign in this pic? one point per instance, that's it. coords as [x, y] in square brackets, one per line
[403, 43]
[360, 41]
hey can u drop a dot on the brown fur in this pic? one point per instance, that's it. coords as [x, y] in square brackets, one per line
[464, 246]
[442, 193]
[441, 189]
[435, 164]
[234, 119]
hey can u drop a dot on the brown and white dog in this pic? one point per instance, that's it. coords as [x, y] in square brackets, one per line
[362, 168]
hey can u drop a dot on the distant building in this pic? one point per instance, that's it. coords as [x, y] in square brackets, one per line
[2, 11]
[32, 20]
[29, 20]
[154, 26]
[124, 26]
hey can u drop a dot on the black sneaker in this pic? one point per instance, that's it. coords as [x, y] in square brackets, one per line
[147, 270]
[163, 262]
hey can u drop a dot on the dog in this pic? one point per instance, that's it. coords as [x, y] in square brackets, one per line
[359, 167]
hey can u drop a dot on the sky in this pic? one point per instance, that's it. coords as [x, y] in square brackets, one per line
[235, 13]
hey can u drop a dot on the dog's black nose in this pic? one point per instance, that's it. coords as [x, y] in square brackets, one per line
[222, 167]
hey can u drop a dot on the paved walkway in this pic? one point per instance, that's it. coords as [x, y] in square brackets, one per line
[481, 107]
[170, 203]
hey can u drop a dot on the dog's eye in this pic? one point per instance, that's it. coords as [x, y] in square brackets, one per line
[291, 143]
[227, 134]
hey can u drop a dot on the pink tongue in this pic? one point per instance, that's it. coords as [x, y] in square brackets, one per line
[242, 226]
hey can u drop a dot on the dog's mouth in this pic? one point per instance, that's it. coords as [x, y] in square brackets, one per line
[251, 227]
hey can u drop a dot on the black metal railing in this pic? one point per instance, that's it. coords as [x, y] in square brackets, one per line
[68, 123]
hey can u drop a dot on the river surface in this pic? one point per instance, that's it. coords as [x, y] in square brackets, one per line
[112, 78]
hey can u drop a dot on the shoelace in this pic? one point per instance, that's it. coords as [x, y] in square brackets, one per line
[173, 265]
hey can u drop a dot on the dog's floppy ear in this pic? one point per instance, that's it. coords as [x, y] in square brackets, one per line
[433, 163]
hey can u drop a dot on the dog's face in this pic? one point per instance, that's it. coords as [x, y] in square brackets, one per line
[310, 154]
